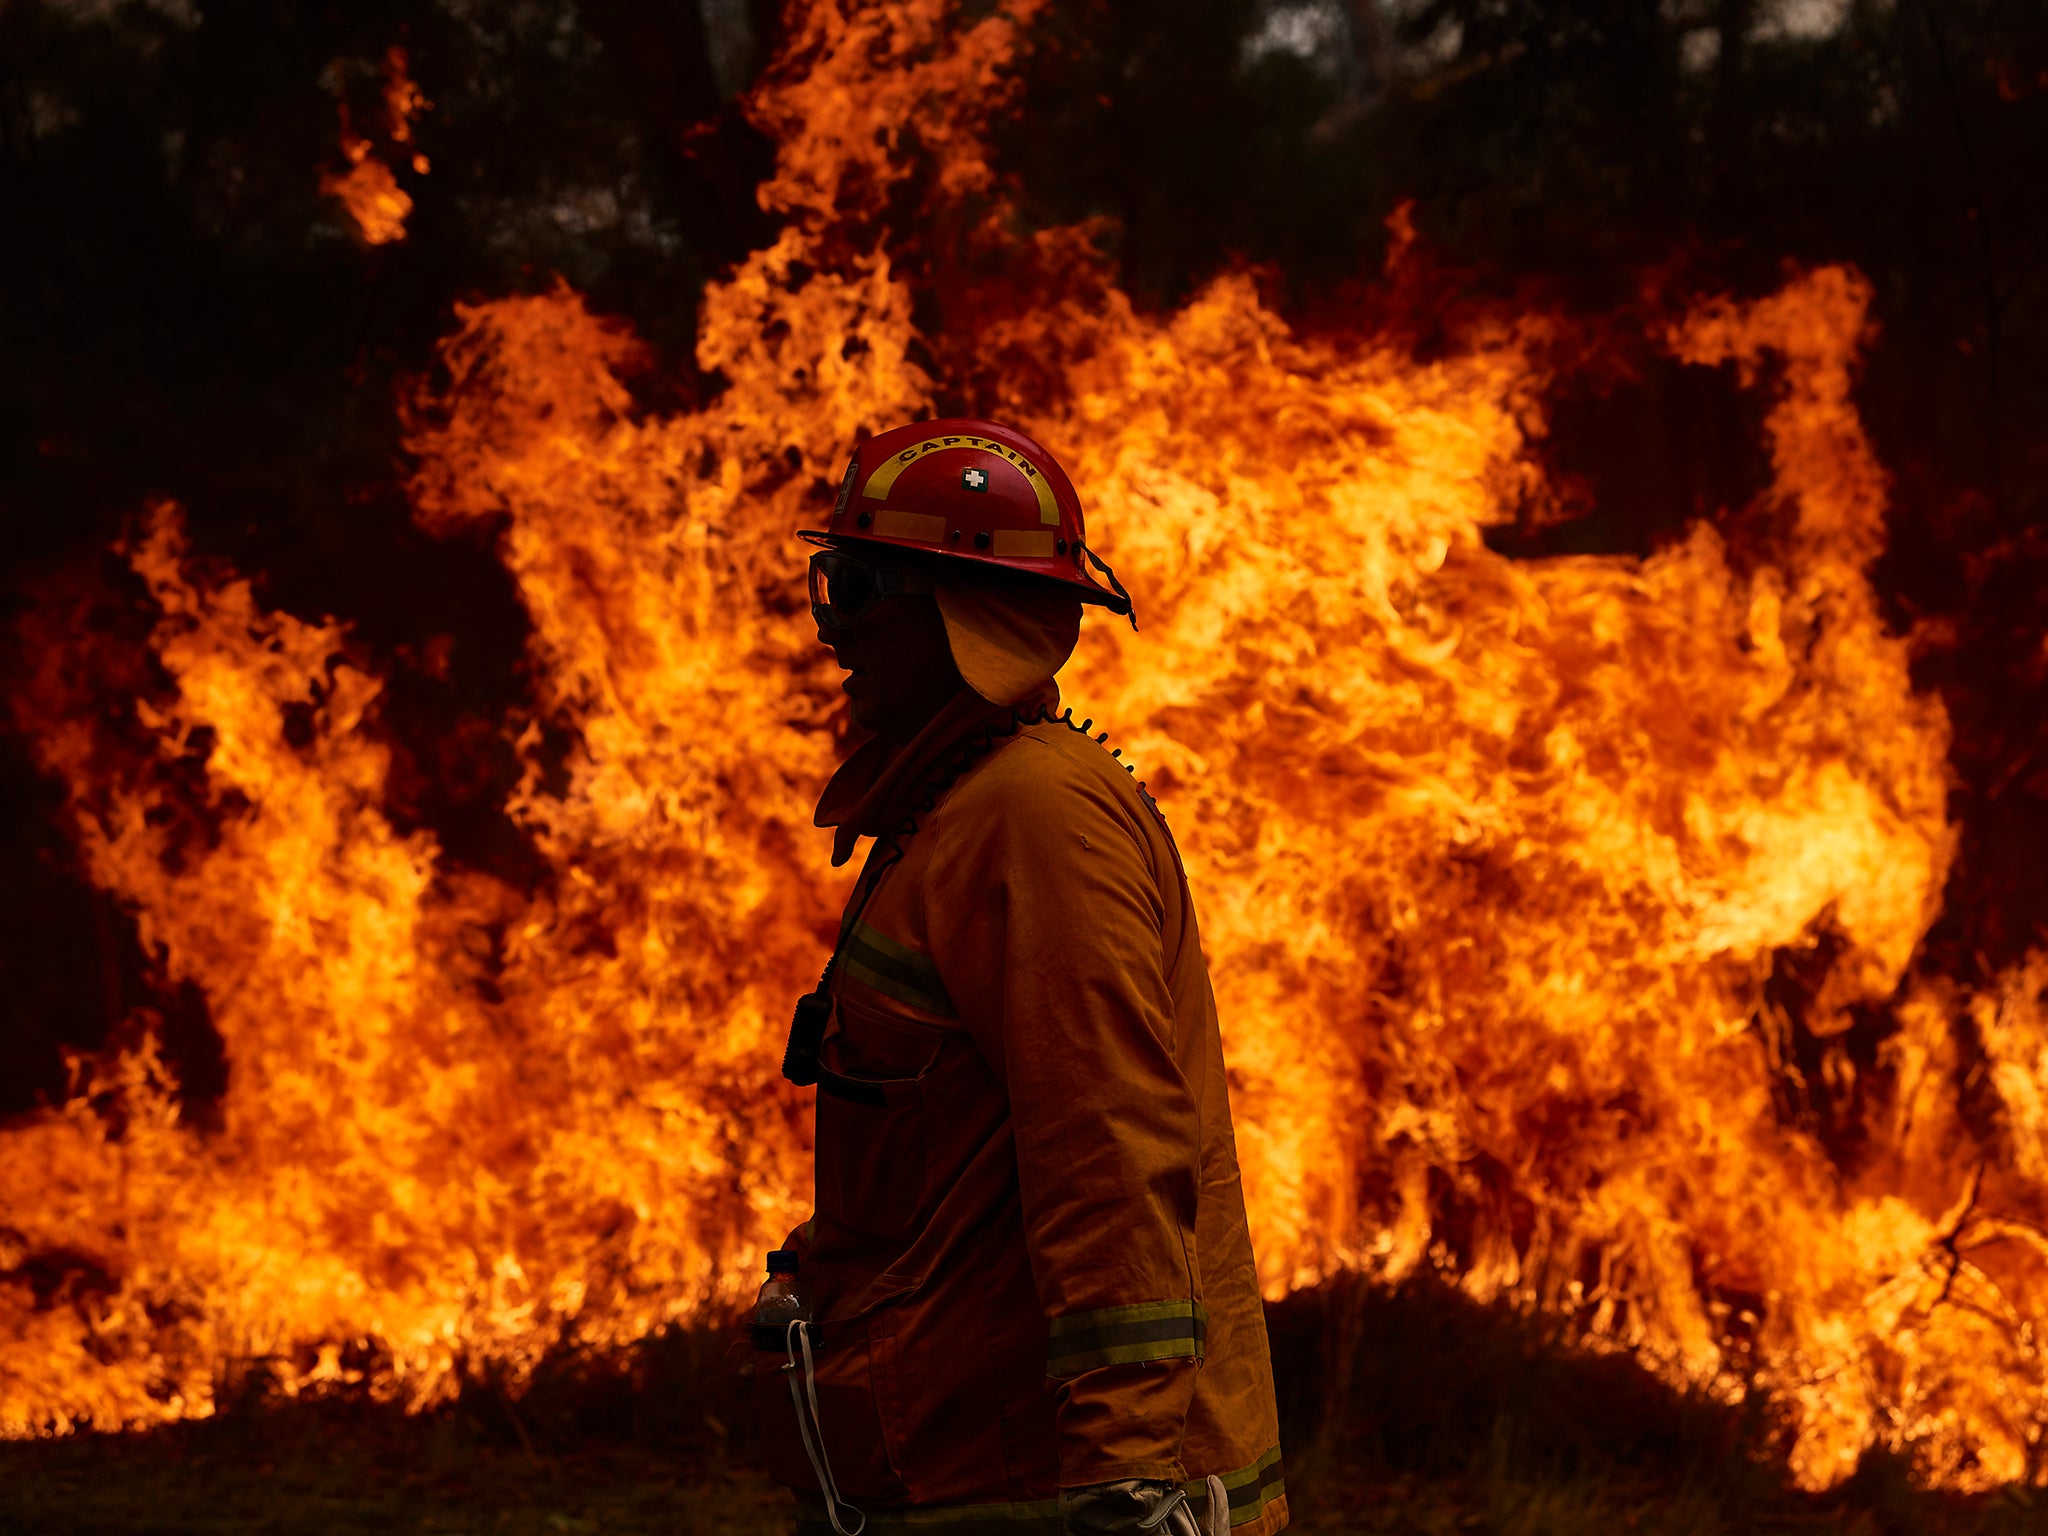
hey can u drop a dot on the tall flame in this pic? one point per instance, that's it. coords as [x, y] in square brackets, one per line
[1497, 860]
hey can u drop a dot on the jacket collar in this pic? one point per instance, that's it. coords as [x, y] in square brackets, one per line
[875, 789]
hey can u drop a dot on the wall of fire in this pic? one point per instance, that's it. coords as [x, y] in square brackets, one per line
[1585, 466]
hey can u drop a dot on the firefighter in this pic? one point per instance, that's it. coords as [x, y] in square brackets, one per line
[1031, 1302]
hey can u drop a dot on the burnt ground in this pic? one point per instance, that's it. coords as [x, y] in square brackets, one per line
[1454, 1419]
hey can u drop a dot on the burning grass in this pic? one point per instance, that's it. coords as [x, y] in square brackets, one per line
[1443, 1416]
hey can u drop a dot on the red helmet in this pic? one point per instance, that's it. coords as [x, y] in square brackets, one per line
[971, 491]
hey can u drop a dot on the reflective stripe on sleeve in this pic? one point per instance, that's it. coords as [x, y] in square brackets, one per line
[1151, 1330]
[1253, 1490]
[895, 970]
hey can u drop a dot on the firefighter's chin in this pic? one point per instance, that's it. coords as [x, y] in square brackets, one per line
[886, 704]
[875, 705]
[899, 667]
[869, 712]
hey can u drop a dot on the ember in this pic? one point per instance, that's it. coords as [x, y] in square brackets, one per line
[1504, 860]
[368, 189]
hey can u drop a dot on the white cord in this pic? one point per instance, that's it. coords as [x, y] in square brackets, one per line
[798, 1335]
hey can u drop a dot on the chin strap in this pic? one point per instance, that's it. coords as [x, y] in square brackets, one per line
[1102, 565]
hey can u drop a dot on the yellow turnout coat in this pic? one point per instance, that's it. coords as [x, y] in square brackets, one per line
[1029, 1260]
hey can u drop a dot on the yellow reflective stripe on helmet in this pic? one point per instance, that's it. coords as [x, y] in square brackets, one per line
[1028, 543]
[925, 527]
[1151, 1330]
[884, 477]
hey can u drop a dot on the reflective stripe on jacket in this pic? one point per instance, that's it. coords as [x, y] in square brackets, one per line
[1030, 1261]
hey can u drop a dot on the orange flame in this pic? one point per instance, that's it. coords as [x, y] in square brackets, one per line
[367, 188]
[1494, 857]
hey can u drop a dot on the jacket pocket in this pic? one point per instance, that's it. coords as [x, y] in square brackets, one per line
[871, 1158]
[848, 1419]
[873, 1161]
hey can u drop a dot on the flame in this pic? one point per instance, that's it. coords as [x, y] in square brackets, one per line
[1497, 860]
[369, 191]
[368, 188]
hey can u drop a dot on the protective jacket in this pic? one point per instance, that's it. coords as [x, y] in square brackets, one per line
[1029, 1260]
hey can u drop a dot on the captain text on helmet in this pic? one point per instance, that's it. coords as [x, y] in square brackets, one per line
[1026, 1303]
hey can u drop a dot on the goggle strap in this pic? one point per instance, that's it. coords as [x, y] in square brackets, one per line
[902, 579]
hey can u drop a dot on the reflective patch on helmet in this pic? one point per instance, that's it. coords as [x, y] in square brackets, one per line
[926, 527]
[846, 487]
[1031, 543]
[973, 479]
[884, 477]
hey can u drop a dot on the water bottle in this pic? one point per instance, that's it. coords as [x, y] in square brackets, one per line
[782, 1300]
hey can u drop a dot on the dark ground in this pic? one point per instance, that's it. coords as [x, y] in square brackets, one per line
[1455, 1419]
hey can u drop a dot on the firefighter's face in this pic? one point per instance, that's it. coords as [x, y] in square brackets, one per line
[899, 668]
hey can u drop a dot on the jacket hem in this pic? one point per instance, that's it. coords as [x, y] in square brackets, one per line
[1153, 1471]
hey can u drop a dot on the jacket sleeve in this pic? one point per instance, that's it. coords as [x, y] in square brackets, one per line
[1046, 917]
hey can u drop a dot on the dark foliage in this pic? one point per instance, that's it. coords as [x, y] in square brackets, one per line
[1417, 1409]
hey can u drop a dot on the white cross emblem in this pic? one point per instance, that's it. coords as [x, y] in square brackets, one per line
[974, 479]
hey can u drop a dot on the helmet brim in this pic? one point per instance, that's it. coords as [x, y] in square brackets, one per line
[985, 568]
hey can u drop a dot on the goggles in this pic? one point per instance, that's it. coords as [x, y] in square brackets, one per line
[843, 586]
